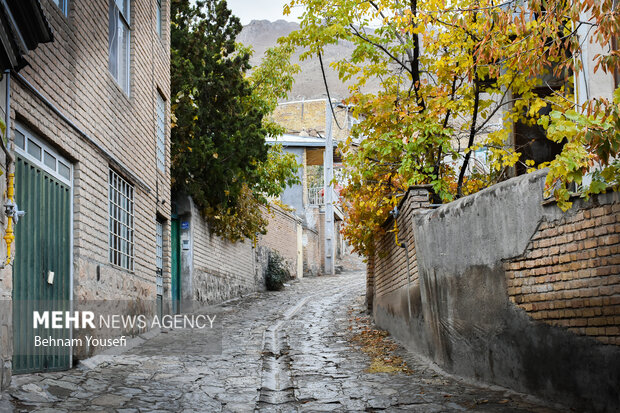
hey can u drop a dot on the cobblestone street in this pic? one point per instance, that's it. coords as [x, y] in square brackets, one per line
[282, 351]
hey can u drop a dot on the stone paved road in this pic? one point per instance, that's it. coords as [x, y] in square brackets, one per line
[283, 351]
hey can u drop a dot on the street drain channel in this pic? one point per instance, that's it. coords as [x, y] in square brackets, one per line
[276, 382]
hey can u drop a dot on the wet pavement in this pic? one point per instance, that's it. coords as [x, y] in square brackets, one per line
[286, 351]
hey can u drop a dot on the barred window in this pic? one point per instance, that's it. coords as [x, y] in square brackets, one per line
[161, 133]
[120, 196]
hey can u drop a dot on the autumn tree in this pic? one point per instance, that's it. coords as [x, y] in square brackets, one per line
[455, 77]
[219, 155]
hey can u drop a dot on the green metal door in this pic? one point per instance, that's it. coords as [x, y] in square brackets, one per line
[176, 265]
[42, 267]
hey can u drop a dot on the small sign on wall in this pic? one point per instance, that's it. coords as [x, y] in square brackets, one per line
[184, 225]
[185, 244]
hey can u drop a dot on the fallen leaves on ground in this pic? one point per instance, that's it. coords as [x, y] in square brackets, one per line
[378, 345]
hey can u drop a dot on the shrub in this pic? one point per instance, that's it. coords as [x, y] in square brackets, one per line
[277, 272]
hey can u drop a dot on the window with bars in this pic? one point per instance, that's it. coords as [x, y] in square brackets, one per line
[119, 42]
[161, 133]
[120, 196]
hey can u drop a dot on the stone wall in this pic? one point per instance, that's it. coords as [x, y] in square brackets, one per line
[486, 264]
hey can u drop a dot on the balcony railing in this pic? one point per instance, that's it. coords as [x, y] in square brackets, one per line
[316, 196]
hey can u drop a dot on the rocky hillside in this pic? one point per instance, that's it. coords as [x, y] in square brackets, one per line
[262, 34]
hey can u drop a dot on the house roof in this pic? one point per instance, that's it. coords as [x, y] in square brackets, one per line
[23, 26]
[298, 141]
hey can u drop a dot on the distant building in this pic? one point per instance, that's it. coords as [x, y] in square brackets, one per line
[305, 123]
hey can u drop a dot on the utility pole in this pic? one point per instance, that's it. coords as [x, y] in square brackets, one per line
[328, 189]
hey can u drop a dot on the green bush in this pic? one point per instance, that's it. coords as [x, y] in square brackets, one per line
[277, 273]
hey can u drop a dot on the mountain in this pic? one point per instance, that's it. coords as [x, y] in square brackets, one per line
[309, 84]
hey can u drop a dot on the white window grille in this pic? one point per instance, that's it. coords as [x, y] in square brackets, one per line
[161, 133]
[120, 196]
[33, 148]
[119, 42]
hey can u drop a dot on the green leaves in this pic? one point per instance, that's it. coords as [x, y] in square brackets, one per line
[219, 155]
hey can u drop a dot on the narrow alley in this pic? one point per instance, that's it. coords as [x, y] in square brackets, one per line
[286, 351]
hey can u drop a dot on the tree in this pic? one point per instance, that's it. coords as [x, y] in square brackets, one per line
[219, 155]
[449, 71]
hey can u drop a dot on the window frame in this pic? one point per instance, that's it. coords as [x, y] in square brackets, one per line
[121, 244]
[63, 6]
[25, 142]
[160, 132]
[116, 18]
[159, 17]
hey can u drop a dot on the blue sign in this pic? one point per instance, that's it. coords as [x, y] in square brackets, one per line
[184, 225]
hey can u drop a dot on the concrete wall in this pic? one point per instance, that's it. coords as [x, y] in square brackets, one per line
[463, 315]
[311, 253]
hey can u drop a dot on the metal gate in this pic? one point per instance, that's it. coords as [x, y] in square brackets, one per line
[42, 265]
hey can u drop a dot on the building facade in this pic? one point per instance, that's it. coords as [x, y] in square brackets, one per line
[89, 126]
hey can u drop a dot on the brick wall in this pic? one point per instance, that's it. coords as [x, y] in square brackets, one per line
[569, 275]
[72, 73]
[105, 128]
[214, 269]
[370, 282]
[281, 235]
[509, 289]
[221, 269]
[309, 117]
[390, 261]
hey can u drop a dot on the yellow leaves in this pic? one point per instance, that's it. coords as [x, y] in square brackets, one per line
[536, 107]
[378, 345]
[215, 155]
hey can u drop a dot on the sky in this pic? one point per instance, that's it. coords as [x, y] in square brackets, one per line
[248, 10]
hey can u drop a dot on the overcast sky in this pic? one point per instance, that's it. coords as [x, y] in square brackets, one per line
[248, 10]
